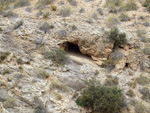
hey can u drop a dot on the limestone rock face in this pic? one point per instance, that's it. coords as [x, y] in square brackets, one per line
[90, 44]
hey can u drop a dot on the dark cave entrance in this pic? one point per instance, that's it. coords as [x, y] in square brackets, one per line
[73, 48]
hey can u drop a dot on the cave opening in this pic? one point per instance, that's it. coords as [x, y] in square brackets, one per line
[74, 49]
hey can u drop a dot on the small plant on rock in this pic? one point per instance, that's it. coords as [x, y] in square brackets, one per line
[101, 99]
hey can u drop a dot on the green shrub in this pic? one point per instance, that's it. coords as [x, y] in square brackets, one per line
[19, 61]
[53, 7]
[58, 56]
[147, 4]
[117, 38]
[131, 5]
[1, 29]
[65, 11]
[3, 56]
[101, 99]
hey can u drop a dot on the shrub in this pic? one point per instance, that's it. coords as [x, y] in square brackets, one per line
[112, 21]
[72, 2]
[143, 80]
[3, 56]
[41, 73]
[45, 15]
[45, 2]
[113, 2]
[146, 51]
[64, 12]
[147, 4]
[146, 93]
[131, 5]
[117, 38]
[124, 17]
[18, 24]
[1, 29]
[130, 93]
[45, 27]
[140, 107]
[53, 7]
[58, 85]
[112, 81]
[21, 3]
[10, 102]
[40, 108]
[58, 56]
[100, 98]
[114, 57]
[9, 14]
[20, 61]
[6, 71]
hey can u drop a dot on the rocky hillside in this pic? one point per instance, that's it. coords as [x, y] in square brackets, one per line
[48, 48]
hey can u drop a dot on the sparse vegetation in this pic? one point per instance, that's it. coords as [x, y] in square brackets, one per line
[116, 37]
[3, 56]
[146, 51]
[140, 107]
[111, 81]
[143, 80]
[45, 15]
[131, 5]
[19, 61]
[114, 2]
[1, 29]
[99, 98]
[147, 4]
[41, 73]
[124, 17]
[58, 56]
[53, 7]
[146, 93]
[65, 11]
[6, 71]
[10, 102]
[45, 27]
[112, 21]
[130, 93]
[72, 2]
[21, 3]
[58, 86]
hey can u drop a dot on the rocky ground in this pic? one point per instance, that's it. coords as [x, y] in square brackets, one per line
[29, 82]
